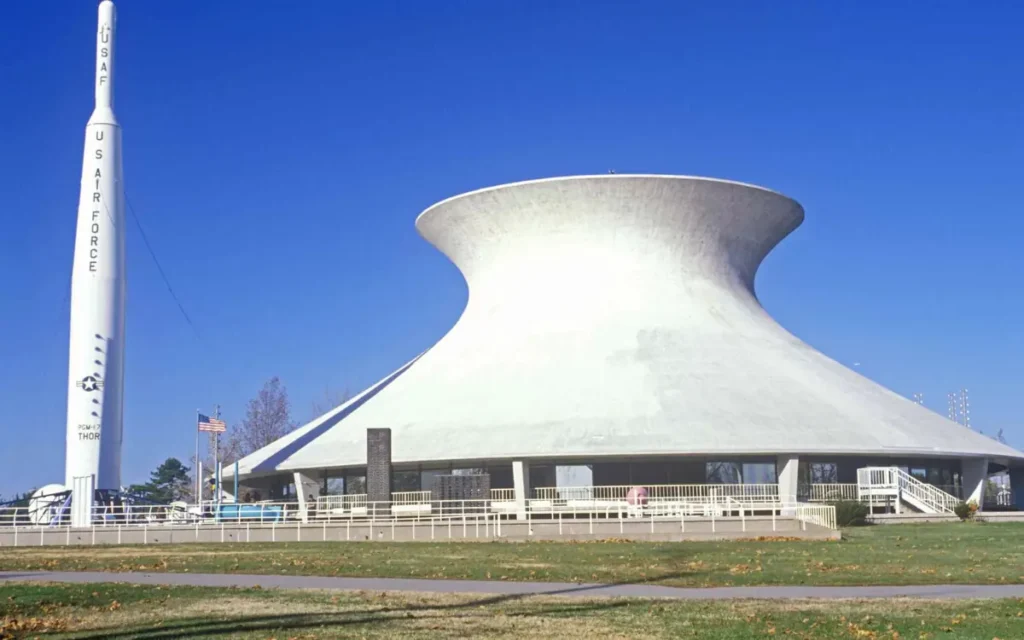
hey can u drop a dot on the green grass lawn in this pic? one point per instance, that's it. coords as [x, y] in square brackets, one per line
[981, 553]
[118, 611]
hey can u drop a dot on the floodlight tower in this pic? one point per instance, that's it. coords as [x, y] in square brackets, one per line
[965, 409]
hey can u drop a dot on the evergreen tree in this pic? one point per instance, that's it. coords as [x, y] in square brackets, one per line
[167, 483]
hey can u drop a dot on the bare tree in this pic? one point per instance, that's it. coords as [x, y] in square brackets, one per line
[332, 399]
[267, 418]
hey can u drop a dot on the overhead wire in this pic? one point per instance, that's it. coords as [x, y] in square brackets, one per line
[159, 267]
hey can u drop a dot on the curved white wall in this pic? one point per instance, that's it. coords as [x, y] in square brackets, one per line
[615, 315]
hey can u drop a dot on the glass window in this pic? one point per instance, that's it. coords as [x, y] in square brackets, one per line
[722, 472]
[285, 491]
[334, 486]
[355, 485]
[574, 482]
[405, 481]
[759, 473]
[803, 474]
[824, 473]
[574, 476]
[469, 471]
[543, 476]
[427, 478]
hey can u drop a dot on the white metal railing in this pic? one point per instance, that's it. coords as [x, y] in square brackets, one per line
[926, 493]
[342, 502]
[608, 500]
[1000, 496]
[765, 493]
[356, 509]
[819, 514]
[877, 481]
[895, 482]
[503, 495]
[829, 492]
[410, 497]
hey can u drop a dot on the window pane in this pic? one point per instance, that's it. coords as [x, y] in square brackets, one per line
[335, 486]
[722, 473]
[469, 471]
[759, 473]
[405, 481]
[427, 478]
[574, 482]
[824, 473]
[287, 491]
[574, 476]
[355, 485]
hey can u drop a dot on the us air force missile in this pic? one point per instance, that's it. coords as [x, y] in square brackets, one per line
[96, 358]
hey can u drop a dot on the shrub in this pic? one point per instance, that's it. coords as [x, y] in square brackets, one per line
[966, 510]
[850, 513]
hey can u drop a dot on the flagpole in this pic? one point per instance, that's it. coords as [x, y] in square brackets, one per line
[216, 454]
[195, 464]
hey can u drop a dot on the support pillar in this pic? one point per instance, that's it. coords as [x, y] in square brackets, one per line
[82, 495]
[787, 468]
[307, 488]
[378, 472]
[521, 482]
[1017, 487]
[974, 472]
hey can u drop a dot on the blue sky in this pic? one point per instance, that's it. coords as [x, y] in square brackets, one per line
[277, 159]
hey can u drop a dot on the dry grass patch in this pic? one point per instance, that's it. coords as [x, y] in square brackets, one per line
[68, 611]
[986, 553]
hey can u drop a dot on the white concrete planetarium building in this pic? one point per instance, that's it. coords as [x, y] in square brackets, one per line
[613, 337]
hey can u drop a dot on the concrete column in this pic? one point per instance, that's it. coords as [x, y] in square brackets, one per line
[1017, 486]
[788, 469]
[378, 472]
[974, 472]
[521, 482]
[83, 494]
[306, 486]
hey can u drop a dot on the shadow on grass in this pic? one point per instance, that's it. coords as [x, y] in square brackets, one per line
[382, 616]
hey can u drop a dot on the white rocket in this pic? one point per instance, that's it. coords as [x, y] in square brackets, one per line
[96, 359]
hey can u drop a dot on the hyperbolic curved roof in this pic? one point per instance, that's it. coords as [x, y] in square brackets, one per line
[616, 315]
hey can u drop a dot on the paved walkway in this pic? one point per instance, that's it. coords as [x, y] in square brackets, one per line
[518, 588]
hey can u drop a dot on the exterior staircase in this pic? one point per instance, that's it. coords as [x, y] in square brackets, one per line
[881, 484]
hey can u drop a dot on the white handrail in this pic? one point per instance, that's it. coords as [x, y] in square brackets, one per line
[894, 481]
[926, 493]
[819, 514]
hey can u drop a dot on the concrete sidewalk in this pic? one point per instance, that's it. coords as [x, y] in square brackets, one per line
[520, 588]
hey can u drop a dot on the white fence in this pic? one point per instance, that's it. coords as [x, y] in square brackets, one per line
[819, 514]
[418, 508]
[830, 492]
[696, 493]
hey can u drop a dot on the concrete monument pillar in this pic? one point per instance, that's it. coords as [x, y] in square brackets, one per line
[521, 482]
[307, 488]
[787, 467]
[974, 472]
[378, 471]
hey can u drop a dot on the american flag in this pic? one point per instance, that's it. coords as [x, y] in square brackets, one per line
[213, 425]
